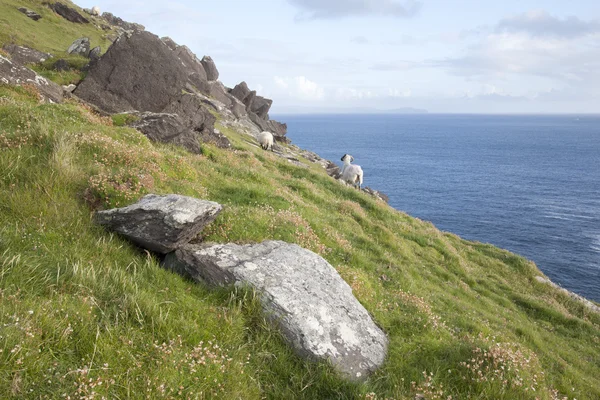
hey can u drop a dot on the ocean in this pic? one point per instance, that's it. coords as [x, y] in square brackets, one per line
[529, 184]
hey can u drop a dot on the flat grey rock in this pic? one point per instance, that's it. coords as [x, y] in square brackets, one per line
[12, 73]
[161, 223]
[301, 292]
[25, 55]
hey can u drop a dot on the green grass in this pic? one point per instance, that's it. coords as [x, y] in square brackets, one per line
[83, 312]
[52, 33]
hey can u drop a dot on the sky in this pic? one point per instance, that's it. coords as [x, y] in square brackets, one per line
[460, 56]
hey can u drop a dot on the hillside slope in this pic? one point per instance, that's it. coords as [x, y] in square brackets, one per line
[85, 314]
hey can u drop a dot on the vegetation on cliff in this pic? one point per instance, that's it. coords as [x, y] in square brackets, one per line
[85, 314]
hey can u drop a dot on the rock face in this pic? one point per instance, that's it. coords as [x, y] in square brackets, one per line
[80, 46]
[24, 55]
[31, 14]
[12, 73]
[161, 223]
[138, 72]
[68, 13]
[94, 53]
[167, 128]
[212, 74]
[257, 109]
[61, 65]
[300, 292]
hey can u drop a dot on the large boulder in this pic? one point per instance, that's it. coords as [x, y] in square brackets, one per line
[167, 128]
[240, 91]
[95, 53]
[30, 14]
[161, 223]
[80, 46]
[12, 73]
[261, 106]
[276, 128]
[190, 60]
[68, 13]
[25, 55]
[138, 72]
[169, 42]
[218, 92]
[212, 73]
[300, 292]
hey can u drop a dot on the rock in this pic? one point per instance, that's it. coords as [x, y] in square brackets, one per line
[161, 223]
[61, 65]
[70, 88]
[94, 53]
[169, 42]
[116, 21]
[168, 128]
[218, 92]
[25, 55]
[68, 13]
[31, 14]
[190, 60]
[586, 303]
[80, 46]
[238, 108]
[261, 106]
[138, 72]
[333, 170]
[249, 99]
[212, 74]
[276, 128]
[300, 292]
[377, 194]
[12, 73]
[240, 91]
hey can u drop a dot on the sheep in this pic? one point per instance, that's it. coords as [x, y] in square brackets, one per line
[96, 11]
[352, 174]
[266, 140]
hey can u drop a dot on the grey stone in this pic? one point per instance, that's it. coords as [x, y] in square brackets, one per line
[68, 13]
[169, 42]
[116, 21]
[212, 73]
[138, 72]
[376, 193]
[31, 14]
[12, 73]
[276, 128]
[240, 91]
[161, 223]
[80, 46]
[61, 65]
[300, 292]
[94, 53]
[190, 60]
[218, 92]
[69, 88]
[238, 108]
[261, 106]
[25, 55]
[167, 128]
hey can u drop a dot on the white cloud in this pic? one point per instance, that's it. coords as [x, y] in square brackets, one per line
[322, 9]
[300, 87]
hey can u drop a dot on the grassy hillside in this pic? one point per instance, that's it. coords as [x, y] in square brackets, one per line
[85, 314]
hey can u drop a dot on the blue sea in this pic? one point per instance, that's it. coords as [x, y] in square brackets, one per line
[529, 184]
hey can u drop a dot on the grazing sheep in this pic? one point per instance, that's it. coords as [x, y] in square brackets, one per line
[353, 174]
[266, 140]
[96, 11]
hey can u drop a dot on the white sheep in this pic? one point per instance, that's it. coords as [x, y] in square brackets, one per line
[96, 11]
[353, 174]
[266, 140]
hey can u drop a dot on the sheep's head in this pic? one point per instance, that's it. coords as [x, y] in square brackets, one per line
[347, 157]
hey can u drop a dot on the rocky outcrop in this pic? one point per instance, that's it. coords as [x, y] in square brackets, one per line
[68, 13]
[257, 108]
[80, 47]
[240, 91]
[61, 65]
[31, 14]
[167, 128]
[138, 72]
[277, 128]
[300, 292]
[212, 74]
[12, 73]
[94, 53]
[161, 223]
[190, 60]
[116, 21]
[169, 42]
[25, 55]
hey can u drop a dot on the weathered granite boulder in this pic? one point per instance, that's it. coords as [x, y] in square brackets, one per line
[12, 73]
[31, 14]
[68, 13]
[261, 106]
[238, 108]
[138, 72]
[218, 92]
[161, 223]
[116, 21]
[80, 46]
[212, 73]
[240, 91]
[192, 112]
[25, 55]
[376, 193]
[276, 128]
[167, 128]
[249, 99]
[300, 292]
[94, 53]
